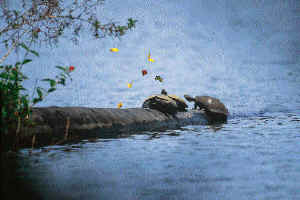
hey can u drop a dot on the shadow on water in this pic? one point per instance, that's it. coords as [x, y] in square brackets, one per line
[14, 184]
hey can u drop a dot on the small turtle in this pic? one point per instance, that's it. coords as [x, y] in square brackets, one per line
[169, 104]
[214, 108]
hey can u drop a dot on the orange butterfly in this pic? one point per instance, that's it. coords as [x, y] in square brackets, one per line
[120, 105]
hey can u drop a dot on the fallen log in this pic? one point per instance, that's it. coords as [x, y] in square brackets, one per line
[57, 125]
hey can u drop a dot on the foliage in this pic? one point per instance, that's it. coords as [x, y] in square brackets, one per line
[42, 22]
[16, 103]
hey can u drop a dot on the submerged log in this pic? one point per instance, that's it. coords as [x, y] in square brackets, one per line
[56, 125]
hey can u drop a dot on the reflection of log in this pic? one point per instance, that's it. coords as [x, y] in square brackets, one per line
[54, 124]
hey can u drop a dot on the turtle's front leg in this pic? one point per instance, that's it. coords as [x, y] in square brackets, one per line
[195, 106]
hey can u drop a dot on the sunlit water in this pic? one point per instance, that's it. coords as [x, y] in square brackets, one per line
[245, 54]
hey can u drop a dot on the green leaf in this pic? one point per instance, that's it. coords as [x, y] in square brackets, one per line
[52, 83]
[63, 75]
[17, 64]
[62, 81]
[61, 68]
[4, 75]
[36, 100]
[35, 53]
[46, 79]
[24, 46]
[39, 91]
[24, 100]
[26, 61]
[29, 50]
[21, 87]
[51, 90]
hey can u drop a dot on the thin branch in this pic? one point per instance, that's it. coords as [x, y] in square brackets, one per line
[8, 52]
[14, 45]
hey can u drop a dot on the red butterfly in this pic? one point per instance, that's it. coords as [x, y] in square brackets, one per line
[144, 72]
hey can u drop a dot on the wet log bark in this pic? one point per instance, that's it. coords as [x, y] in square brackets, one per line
[57, 125]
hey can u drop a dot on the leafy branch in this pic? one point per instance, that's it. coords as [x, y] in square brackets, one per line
[45, 21]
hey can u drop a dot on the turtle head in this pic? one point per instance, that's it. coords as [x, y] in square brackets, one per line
[164, 92]
[189, 98]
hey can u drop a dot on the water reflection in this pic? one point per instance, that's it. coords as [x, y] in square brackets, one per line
[194, 161]
[216, 127]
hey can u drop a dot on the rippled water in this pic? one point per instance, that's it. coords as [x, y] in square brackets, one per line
[247, 158]
[246, 54]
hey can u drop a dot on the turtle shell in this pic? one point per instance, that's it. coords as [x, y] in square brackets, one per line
[179, 101]
[211, 104]
[163, 103]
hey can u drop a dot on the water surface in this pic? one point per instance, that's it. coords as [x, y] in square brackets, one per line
[245, 53]
[252, 158]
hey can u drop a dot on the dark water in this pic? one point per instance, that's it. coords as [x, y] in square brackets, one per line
[245, 53]
[248, 158]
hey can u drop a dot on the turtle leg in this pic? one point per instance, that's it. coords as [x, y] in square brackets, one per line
[201, 107]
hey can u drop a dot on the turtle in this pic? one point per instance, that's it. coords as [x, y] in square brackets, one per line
[213, 107]
[168, 104]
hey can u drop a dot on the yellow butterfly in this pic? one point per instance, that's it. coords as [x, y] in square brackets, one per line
[149, 58]
[129, 85]
[114, 49]
[120, 105]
